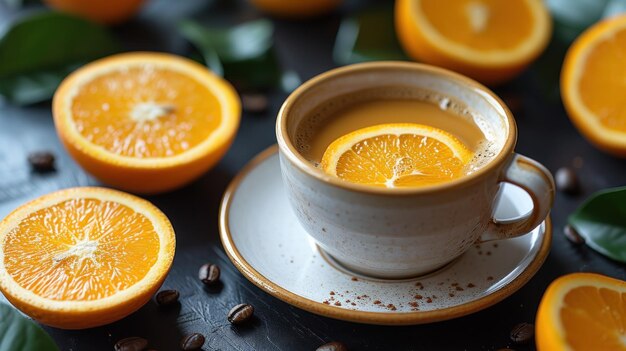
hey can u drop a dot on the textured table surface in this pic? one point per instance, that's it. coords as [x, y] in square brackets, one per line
[545, 134]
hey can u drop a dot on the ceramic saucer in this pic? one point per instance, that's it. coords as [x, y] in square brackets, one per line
[264, 240]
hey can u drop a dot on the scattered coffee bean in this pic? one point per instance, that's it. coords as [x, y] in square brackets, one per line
[567, 181]
[572, 235]
[578, 162]
[192, 342]
[240, 313]
[523, 333]
[209, 273]
[41, 161]
[254, 102]
[333, 346]
[167, 297]
[133, 343]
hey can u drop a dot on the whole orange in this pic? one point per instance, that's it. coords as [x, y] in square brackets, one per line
[102, 11]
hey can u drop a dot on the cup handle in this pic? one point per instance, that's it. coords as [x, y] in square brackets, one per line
[537, 181]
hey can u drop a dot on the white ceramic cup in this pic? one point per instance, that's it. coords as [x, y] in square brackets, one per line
[402, 232]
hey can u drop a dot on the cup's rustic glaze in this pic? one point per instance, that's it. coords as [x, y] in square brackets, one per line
[403, 232]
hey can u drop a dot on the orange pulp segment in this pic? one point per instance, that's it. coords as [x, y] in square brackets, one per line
[145, 111]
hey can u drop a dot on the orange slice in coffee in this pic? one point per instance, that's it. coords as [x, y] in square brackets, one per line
[397, 155]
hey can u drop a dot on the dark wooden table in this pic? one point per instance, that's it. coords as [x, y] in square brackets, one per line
[545, 134]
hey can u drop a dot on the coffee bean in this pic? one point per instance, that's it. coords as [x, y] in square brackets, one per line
[133, 343]
[523, 333]
[578, 162]
[41, 161]
[192, 342]
[240, 313]
[567, 181]
[167, 297]
[333, 346]
[209, 273]
[254, 103]
[572, 235]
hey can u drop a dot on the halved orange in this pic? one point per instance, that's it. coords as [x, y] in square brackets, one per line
[397, 155]
[84, 257]
[582, 312]
[146, 122]
[593, 85]
[491, 41]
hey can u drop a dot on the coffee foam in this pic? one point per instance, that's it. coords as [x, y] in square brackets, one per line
[484, 153]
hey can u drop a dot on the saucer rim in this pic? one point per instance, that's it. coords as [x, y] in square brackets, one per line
[366, 317]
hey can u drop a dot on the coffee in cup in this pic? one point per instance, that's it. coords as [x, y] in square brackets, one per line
[408, 158]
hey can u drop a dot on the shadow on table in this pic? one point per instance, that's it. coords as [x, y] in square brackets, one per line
[150, 322]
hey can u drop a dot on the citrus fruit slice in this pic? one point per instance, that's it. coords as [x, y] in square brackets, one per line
[295, 9]
[489, 40]
[593, 85]
[581, 312]
[84, 257]
[146, 122]
[103, 11]
[397, 155]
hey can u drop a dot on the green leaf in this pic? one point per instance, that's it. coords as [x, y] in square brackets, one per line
[368, 36]
[245, 41]
[33, 87]
[290, 80]
[572, 17]
[614, 7]
[601, 220]
[243, 54]
[15, 4]
[197, 35]
[39, 50]
[19, 333]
